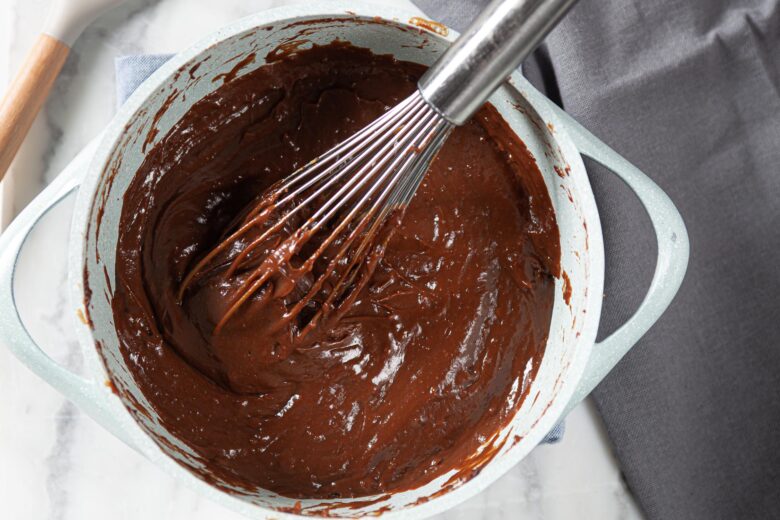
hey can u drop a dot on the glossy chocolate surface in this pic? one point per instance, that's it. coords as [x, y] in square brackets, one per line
[432, 359]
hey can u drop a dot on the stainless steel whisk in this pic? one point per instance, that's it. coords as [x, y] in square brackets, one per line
[347, 195]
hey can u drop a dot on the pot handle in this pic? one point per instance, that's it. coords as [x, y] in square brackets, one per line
[85, 393]
[672, 261]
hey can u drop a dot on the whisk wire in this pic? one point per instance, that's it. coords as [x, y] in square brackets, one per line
[365, 137]
[400, 194]
[332, 206]
[383, 204]
[356, 185]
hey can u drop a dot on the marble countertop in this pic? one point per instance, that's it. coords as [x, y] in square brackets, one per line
[57, 463]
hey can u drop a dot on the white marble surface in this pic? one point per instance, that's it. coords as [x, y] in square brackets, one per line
[58, 464]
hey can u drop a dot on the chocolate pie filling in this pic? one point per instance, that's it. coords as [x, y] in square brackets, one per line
[434, 357]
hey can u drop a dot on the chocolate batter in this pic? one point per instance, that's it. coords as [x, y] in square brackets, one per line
[431, 360]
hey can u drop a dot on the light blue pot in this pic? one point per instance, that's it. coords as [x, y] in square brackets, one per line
[573, 363]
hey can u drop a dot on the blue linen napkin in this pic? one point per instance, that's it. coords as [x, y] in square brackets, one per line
[131, 71]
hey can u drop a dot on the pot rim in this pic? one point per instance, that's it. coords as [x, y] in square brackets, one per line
[87, 197]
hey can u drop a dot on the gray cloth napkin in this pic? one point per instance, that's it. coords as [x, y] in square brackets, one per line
[690, 92]
[131, 71]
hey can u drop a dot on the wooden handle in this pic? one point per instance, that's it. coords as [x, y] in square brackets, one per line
[27, 93]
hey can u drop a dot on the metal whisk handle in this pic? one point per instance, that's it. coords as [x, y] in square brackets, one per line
[496, 42]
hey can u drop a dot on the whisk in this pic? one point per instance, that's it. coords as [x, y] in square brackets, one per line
[314, 238]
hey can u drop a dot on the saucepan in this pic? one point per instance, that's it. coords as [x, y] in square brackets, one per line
[573, 362]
